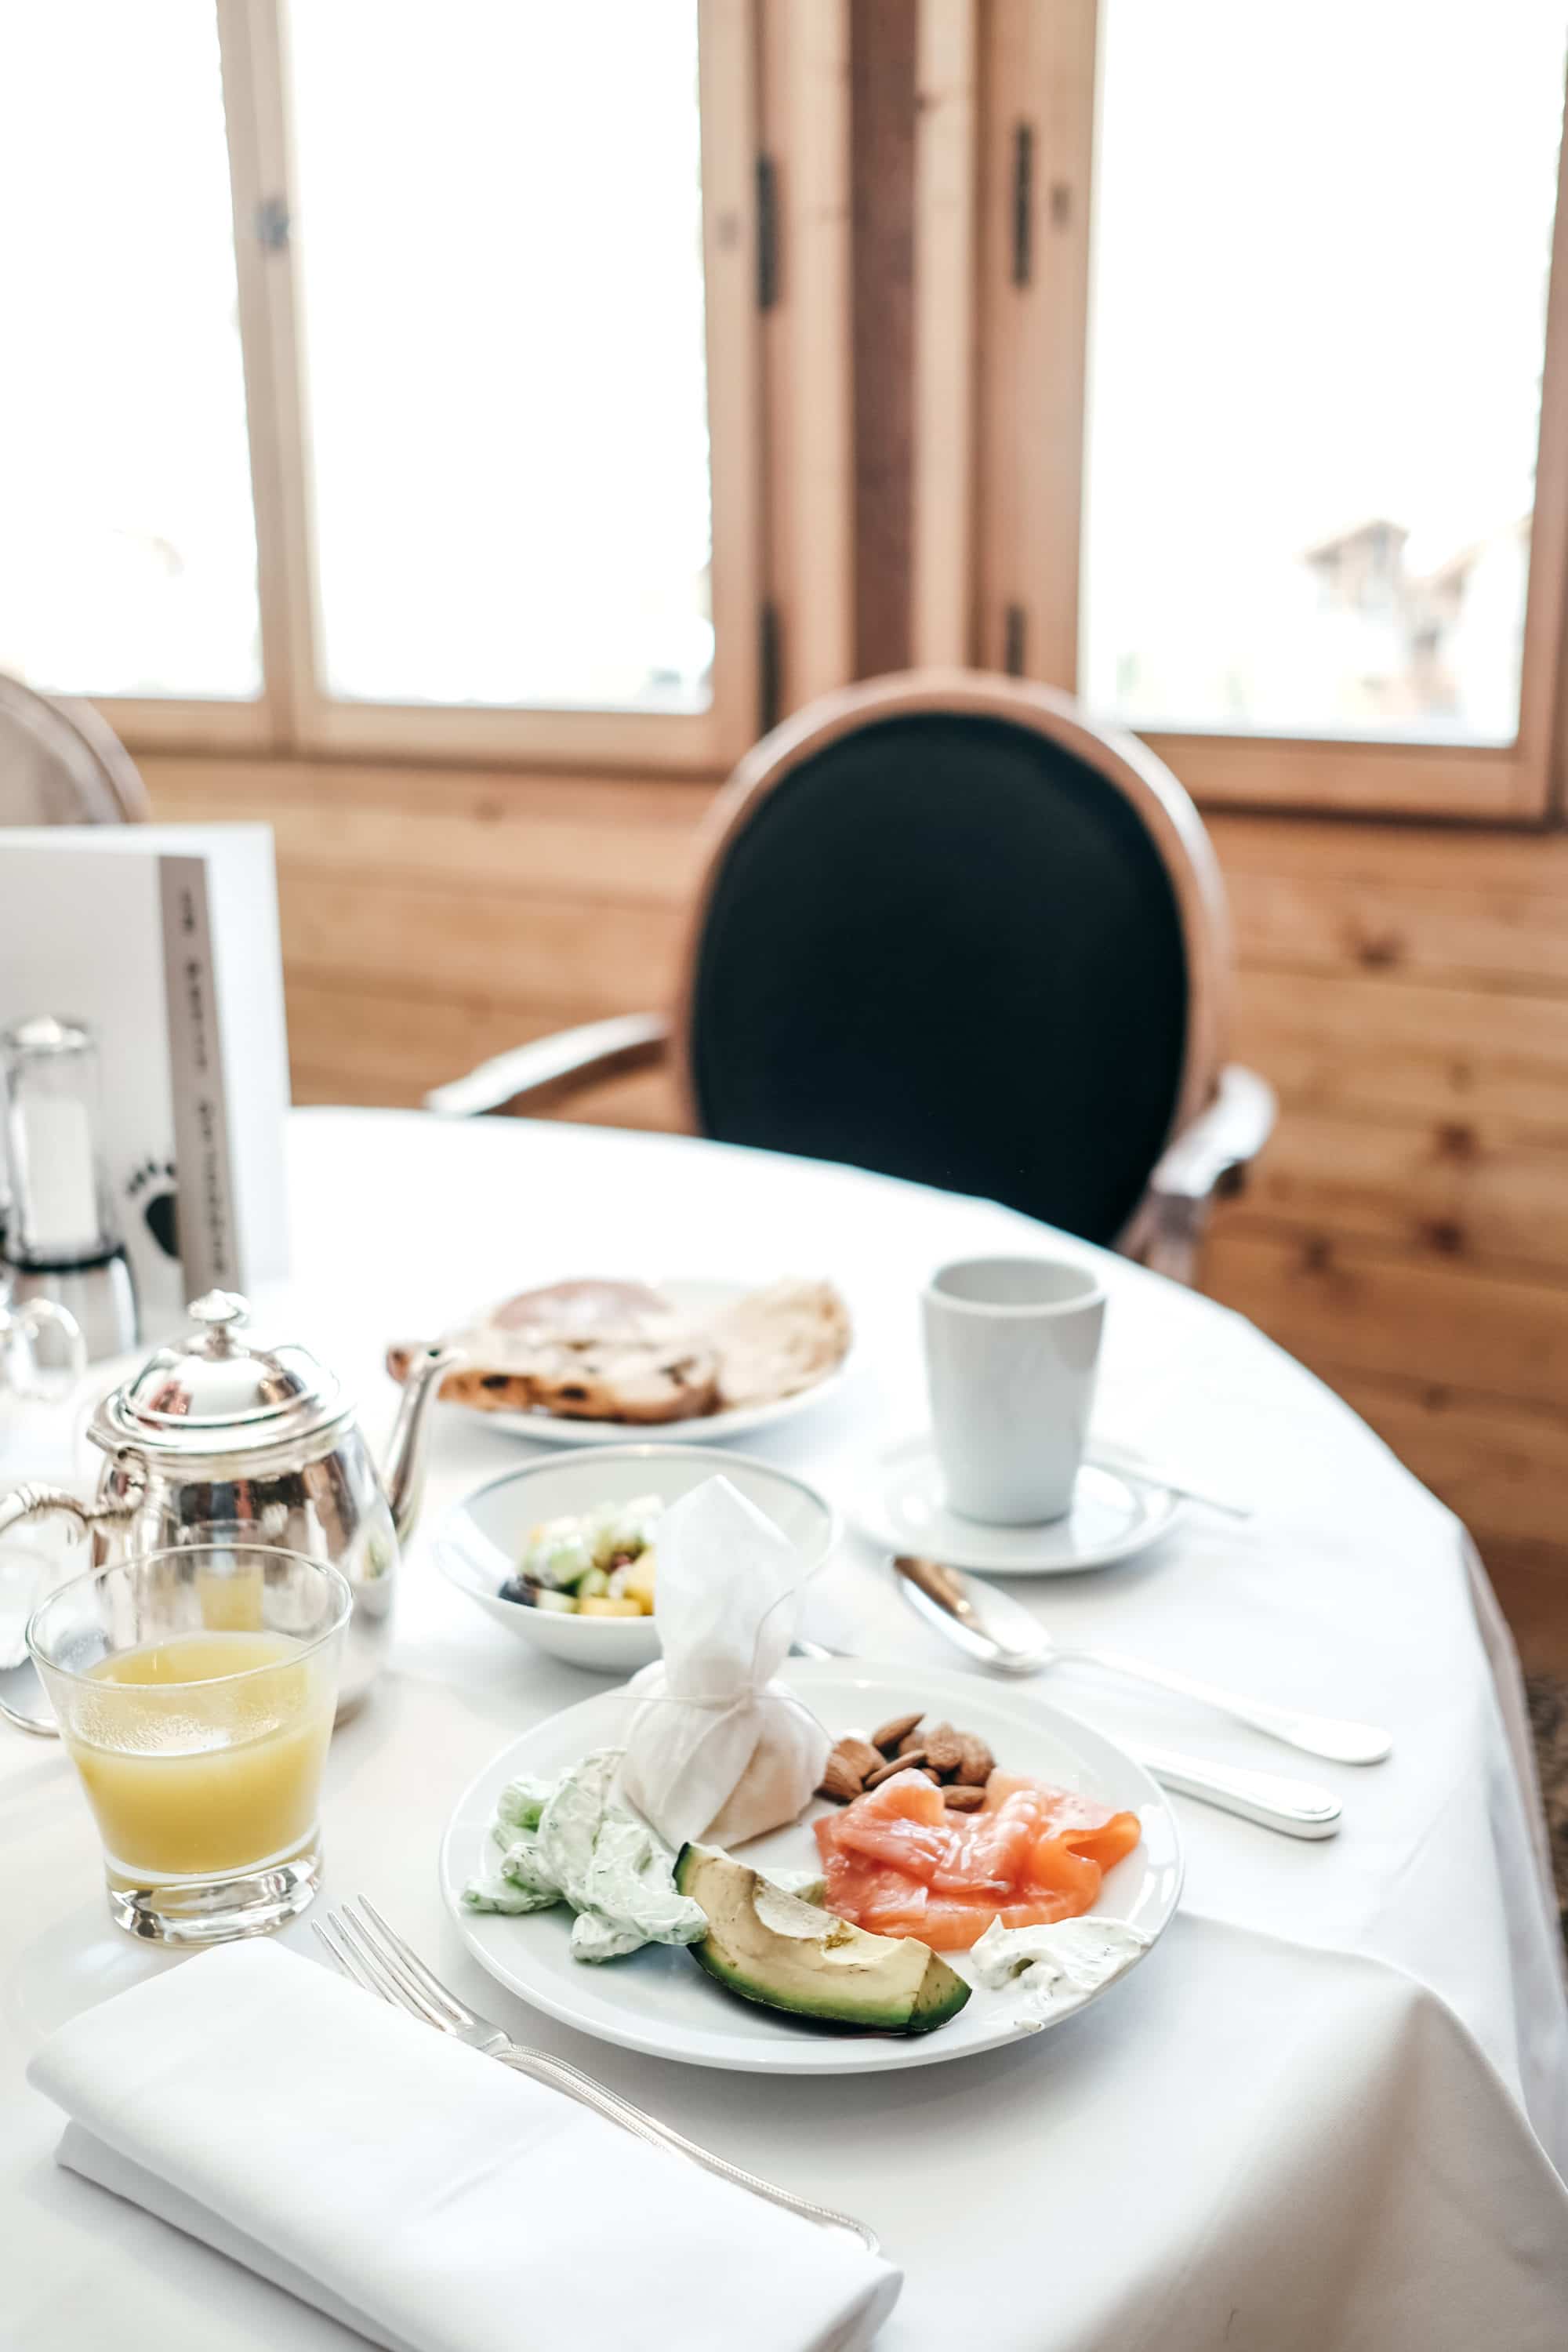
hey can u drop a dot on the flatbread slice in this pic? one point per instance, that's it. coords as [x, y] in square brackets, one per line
[593, 1350]
[774, 1342]
[584, 1351]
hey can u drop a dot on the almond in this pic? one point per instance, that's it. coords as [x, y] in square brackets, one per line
[944, 1747]
[911, 1739]
[838, 1782]
[962, 1800]
[857, 1756]
[897, 1727]
[976, 1764]
[895, 1764]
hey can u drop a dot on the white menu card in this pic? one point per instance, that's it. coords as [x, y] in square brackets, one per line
[163, 939]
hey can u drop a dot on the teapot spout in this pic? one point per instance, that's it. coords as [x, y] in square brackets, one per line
[405, 1475]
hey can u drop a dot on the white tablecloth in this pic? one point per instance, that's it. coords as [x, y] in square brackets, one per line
[1320, 2117]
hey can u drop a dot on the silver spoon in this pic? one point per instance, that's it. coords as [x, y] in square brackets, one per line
[1299, 1809]
[1126, 1462]
[22, 1700]
[1006, 1638]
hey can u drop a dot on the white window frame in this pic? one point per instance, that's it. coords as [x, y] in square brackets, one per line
[1004, 499]
[779, 426]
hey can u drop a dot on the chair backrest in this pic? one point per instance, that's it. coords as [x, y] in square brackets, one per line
[951, 931]
[60, 763]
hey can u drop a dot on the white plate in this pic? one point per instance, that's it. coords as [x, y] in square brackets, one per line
[900, 1504]
[697, 1297]
[480, 1539]
[659, 1999]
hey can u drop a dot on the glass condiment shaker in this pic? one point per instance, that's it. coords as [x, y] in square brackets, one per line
[62, 1238]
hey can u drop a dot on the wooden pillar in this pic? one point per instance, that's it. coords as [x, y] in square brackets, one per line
[882, 35]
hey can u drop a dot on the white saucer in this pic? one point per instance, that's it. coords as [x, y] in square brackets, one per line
[899, 1505]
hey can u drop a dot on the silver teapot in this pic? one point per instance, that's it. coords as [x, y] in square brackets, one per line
[216, 1435]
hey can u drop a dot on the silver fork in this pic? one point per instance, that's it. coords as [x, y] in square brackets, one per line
[364, 1948]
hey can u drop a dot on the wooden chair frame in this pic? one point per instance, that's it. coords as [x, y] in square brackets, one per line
[79, 743]
[1223, 1114]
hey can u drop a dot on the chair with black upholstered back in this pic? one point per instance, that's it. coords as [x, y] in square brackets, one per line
[949, 930]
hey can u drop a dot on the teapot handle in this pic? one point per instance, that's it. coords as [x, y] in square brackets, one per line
[24, 1503]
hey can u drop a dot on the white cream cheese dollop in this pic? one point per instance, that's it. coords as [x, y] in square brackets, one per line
[1054, 1968]
[569, 1840]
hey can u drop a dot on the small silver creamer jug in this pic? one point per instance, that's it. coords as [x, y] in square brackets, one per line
[217, 1435]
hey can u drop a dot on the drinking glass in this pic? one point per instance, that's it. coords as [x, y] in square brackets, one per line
[23, 1370]
[196, 1690]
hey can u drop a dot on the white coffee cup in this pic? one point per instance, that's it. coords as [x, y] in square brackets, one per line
[1012, 1351]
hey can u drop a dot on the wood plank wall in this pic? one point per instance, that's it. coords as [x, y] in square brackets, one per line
[1405, 988]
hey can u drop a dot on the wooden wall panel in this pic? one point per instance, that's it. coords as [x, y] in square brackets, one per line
[1345, 1309]
[349, 1043]
[529, 948]
[1405, 990]
[1458, 1188]
[1373, 1046]
[1499, 1464]
[1460, 908]
[1468, 933]
[578, 838]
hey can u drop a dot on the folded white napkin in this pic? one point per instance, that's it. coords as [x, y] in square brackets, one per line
[417, 2190]
[717, 1749]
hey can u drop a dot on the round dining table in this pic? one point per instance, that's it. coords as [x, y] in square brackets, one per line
[1329, 2111]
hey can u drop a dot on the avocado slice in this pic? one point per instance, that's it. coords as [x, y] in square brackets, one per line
[770, 1947]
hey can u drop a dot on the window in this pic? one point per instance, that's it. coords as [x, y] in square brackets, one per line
[398, 385]
[506, 397]
[1273, 448]
[1314, 518]
[129, 560]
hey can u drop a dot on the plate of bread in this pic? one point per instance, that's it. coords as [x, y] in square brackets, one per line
[580, 1362]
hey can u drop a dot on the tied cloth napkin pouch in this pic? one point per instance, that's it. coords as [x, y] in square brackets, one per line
[418, 2192]
[719, 1752]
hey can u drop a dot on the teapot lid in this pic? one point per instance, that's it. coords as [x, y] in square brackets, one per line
[214, 1391]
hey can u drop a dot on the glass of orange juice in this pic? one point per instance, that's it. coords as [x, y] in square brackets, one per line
[195, 1690]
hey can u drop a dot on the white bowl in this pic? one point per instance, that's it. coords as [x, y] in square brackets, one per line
[480, 1541]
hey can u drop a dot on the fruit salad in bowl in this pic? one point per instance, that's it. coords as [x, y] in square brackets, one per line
[562, 1552]
[593, 1563]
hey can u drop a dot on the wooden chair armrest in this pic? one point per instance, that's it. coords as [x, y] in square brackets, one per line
[1209, 1156]
[551, 1069]
[1221, 1142]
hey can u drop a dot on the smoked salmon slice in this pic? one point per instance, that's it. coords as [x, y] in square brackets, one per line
[896, 1861]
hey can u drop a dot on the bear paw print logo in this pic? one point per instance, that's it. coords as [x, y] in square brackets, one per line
[151, 1195]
